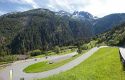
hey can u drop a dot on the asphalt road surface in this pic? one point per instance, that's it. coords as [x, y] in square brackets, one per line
[18, 66]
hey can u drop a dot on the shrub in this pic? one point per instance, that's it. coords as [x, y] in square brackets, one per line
[84, 47]
[35, 52]
[79, 51]
[57, 49]
[8, 58]
[73, 49]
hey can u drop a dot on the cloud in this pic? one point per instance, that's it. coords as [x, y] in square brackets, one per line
[32, 3]
[96, 7]
[28, 2]
[105, 7]
[66, 5]
[22, 9]
[2, 12]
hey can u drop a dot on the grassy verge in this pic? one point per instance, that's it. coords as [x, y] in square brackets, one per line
[45, 66]
[53, 53]
[103, 65]
[3, 64]
[6, 60]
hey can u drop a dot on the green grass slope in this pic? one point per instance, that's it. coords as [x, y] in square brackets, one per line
[45, 66]
[103, 65]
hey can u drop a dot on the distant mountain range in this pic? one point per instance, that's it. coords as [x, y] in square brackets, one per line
[99, 25]
[76, 14]
[108, 22]
[43, 29]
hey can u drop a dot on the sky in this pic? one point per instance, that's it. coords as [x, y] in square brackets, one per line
[98, 8]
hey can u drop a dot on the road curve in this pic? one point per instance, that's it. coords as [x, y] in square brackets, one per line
[18, 67]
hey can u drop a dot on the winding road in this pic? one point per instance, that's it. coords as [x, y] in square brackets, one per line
[18, 66]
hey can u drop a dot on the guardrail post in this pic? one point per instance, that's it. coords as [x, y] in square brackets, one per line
[11, 74]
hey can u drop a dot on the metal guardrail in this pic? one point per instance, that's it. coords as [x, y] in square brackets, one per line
[122, 57]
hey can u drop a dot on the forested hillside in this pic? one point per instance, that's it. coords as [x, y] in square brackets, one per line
[43, 29]
[115, 37]
[40, 29]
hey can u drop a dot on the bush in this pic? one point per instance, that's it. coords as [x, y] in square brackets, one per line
[35, 52]
[57, 49]
[73, 49]
[79, 51]
[8, 58]
[84, 47]
[3, 53]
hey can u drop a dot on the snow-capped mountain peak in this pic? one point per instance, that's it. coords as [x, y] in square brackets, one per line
[63, 13]
[82, 14]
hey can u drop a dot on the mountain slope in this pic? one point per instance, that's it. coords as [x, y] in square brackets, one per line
[83, 15]
[108, 22]
[114, 37]
[41, 29]
[44, 29]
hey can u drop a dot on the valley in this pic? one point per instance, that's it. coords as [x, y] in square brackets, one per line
[41, 44]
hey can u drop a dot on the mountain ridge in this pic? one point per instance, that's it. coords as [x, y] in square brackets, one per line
[44, 29]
